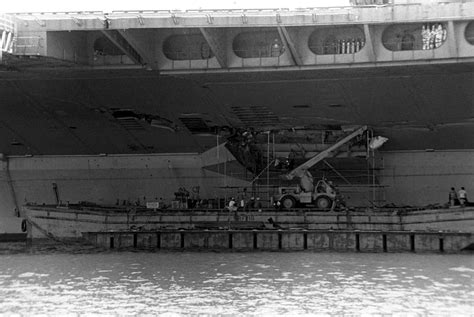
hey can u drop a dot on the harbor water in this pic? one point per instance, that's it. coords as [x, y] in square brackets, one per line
[73, 282]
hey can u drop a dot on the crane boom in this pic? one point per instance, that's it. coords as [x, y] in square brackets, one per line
[322, 155]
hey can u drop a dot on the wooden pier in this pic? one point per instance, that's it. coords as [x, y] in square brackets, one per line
[284, 240]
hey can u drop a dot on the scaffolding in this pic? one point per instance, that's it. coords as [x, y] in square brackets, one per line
[358, 178]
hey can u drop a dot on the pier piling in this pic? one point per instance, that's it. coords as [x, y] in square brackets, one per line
[284, 240]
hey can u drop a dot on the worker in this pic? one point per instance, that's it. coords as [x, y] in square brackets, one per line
[462, 194]
[330, 190]
[338, 198]
[453, 197]
[425, 34]
[232, 206]
[277, 205]
[251, 203]
[242, 203]
[258, 204]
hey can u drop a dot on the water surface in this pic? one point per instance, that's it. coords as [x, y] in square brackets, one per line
[259, 283]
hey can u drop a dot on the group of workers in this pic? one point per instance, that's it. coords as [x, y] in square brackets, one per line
[252, 204]
[433, 35]
[458, 198]
[343, 46]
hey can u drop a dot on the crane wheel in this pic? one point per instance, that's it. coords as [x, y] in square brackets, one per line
[288, 202]
[324, 202]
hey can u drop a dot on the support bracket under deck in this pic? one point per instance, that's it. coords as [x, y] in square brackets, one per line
[121, 43]
[285, 37]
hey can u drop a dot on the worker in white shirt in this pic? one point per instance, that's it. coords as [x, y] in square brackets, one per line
[462, 195]
[232, 206]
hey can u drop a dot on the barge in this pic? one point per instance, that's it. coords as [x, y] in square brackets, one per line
[116, 227]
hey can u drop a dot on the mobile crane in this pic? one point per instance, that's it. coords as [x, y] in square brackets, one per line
[323, 195]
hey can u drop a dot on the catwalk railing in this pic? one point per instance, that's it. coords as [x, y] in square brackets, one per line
[372, 12]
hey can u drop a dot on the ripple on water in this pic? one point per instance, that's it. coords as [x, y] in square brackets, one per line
[462, 269]
[229, 283]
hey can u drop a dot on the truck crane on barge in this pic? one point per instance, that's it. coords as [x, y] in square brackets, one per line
[322, 194]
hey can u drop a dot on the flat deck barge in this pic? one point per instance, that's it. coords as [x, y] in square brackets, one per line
[389, 230]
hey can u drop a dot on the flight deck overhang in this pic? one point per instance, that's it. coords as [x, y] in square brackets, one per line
[239, 40]
[146, 19]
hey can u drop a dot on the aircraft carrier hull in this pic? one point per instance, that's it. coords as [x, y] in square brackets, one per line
[52, 137]
[135, 106]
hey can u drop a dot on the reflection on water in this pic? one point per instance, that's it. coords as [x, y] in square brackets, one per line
[130, 283]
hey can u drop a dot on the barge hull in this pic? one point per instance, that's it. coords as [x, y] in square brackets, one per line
[71, 223]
